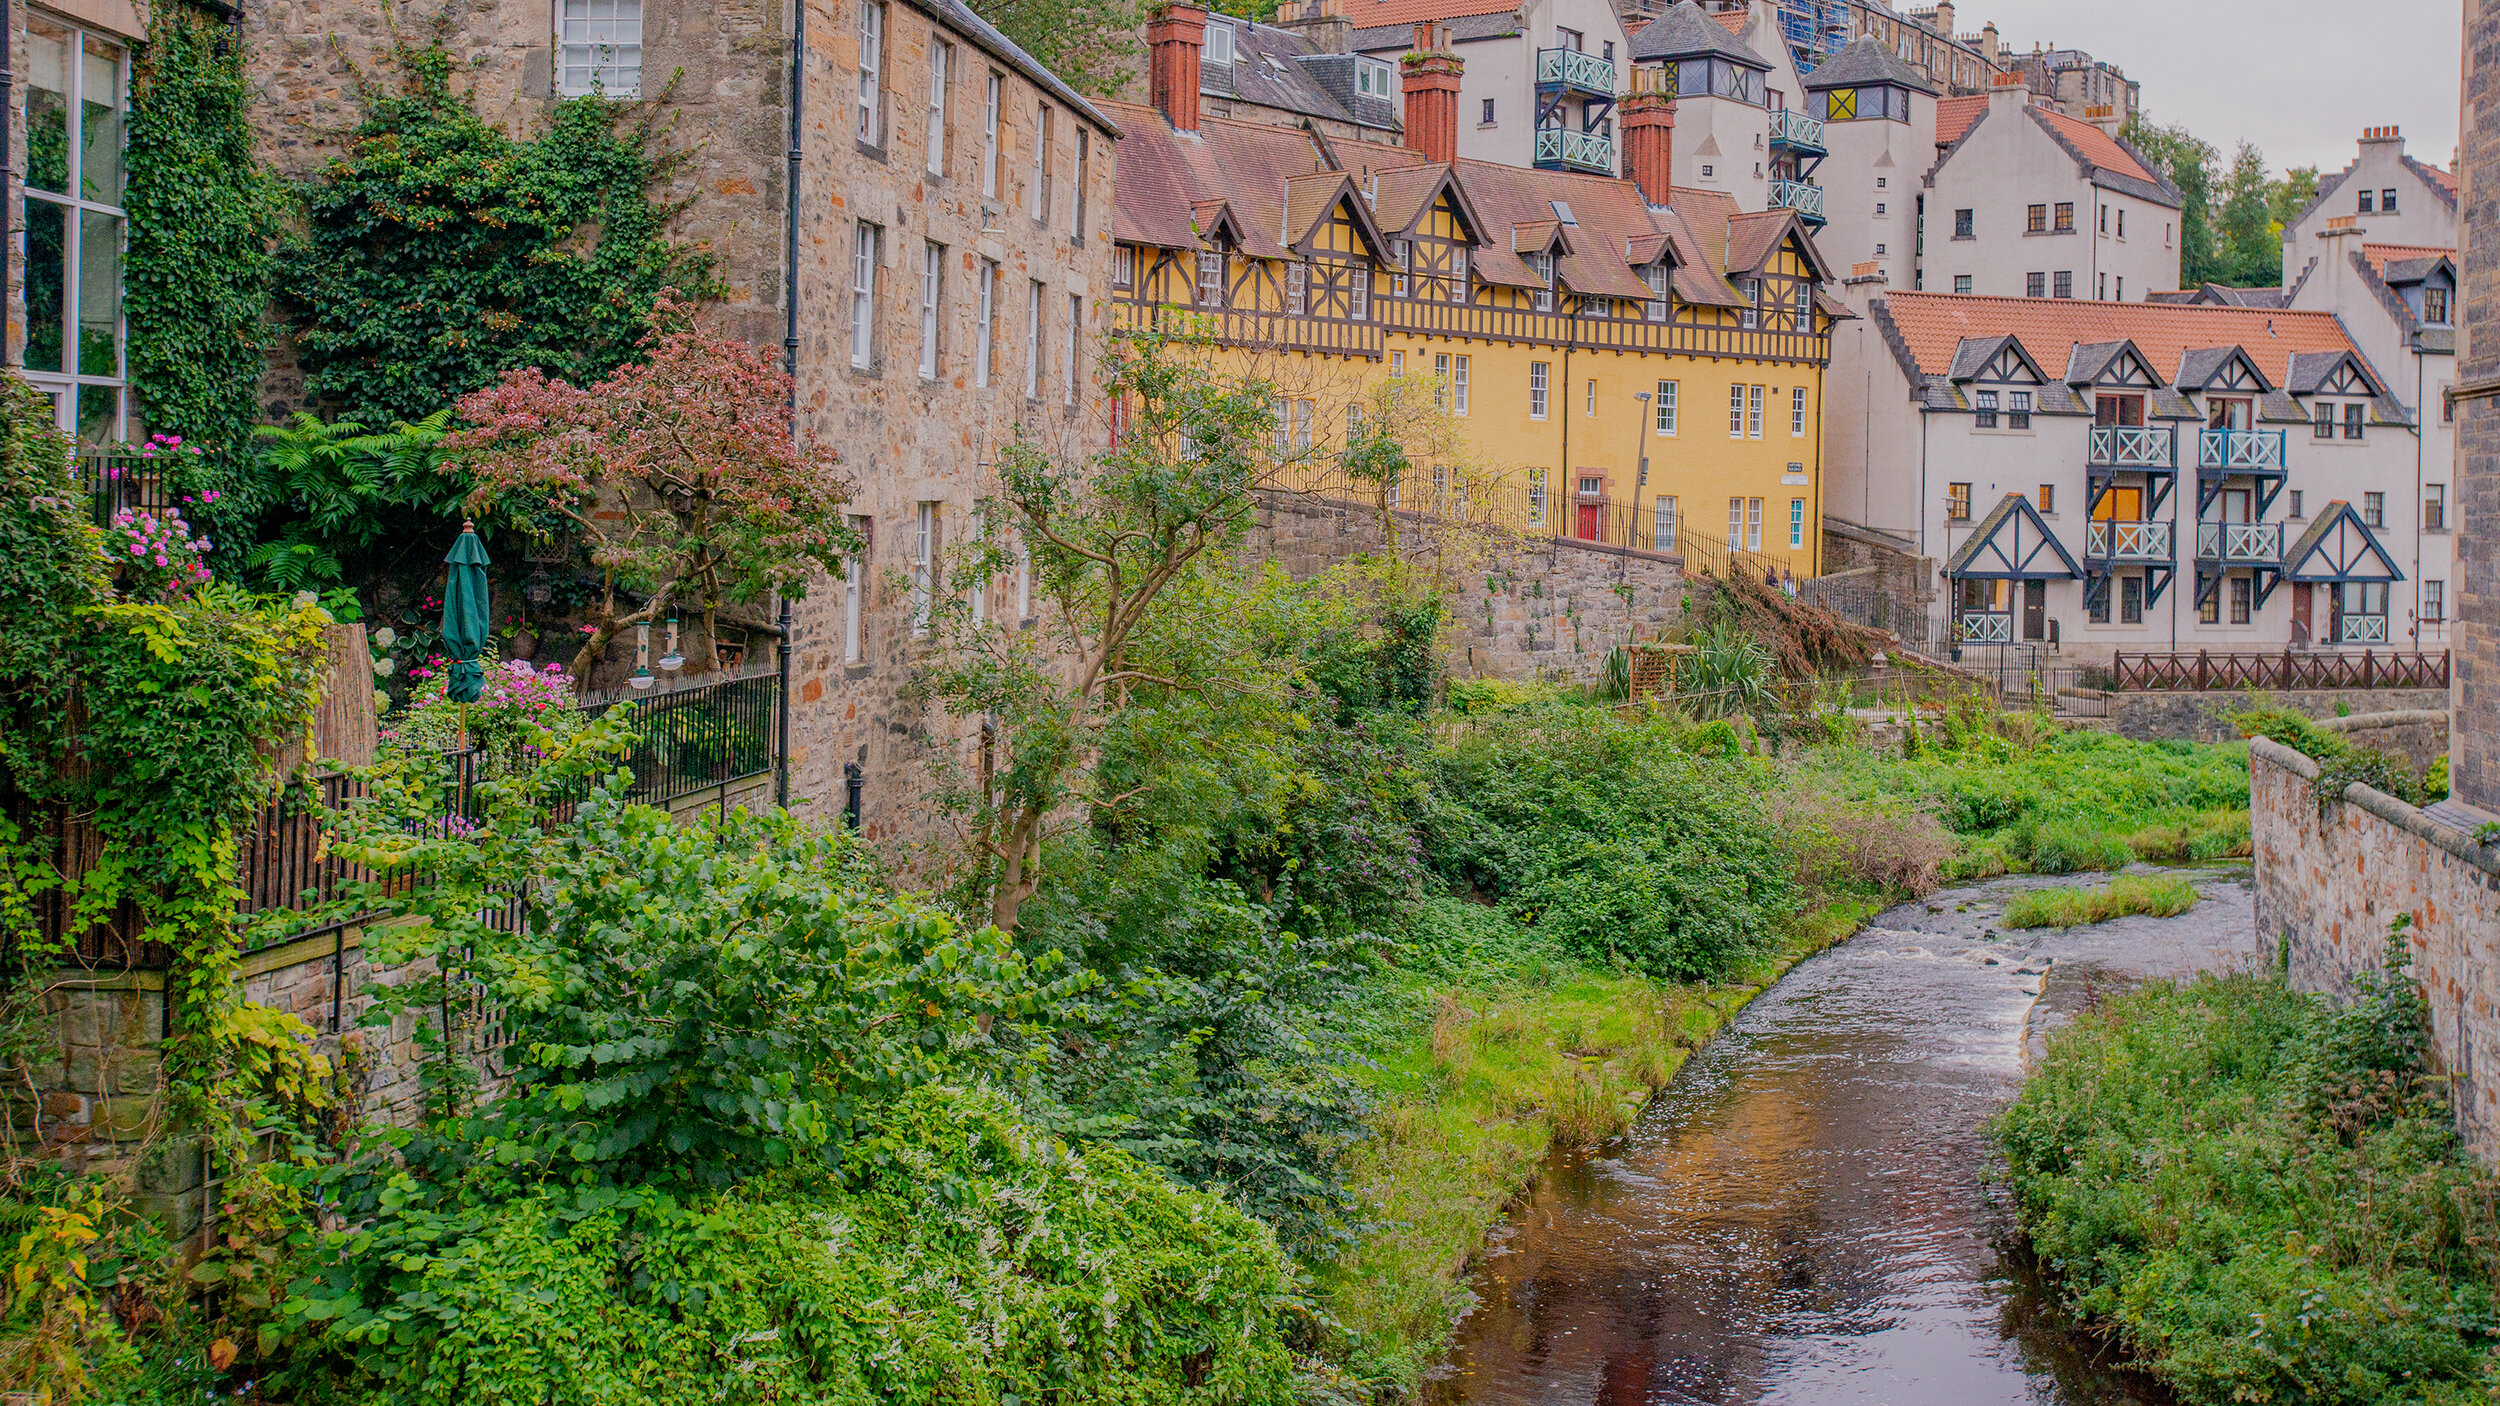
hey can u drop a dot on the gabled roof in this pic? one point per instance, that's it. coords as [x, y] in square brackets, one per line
[1955, 116]
[2220, 295]
[1374, 14]
[1246, 168]
[1869, 60]
[2012, 544]
[1975, 354]
[1752, 240]
[2105, 160]
[2092, 362]
[964, 20]
[2408, 263]
[1374, 36]
[2443, 184]
[2312, 370]
[2199, 366]
[1684, 32]
[1932, 326]
[2340, 546]
[1311, 199]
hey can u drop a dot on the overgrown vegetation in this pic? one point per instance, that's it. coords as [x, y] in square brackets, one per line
[2158, 896]
[2264, 1197]
[2341, 761]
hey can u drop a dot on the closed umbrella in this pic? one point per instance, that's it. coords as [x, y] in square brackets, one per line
[464, 616]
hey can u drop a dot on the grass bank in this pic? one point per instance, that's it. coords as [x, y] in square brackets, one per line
[1481, 1066]
[2263, 1199]
[2158, 895]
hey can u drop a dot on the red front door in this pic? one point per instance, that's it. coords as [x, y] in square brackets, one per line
[1588, 523]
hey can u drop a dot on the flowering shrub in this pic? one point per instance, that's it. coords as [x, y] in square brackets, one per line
[158, 557]
[518, 698]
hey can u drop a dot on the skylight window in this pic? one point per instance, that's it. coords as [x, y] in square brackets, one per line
[1562, 212]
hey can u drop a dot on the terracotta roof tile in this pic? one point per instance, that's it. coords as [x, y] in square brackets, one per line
[1934, 325]
[2381, 255]
[2097, 146]
[1956, 116]
[1371, 14]
[1733, 21]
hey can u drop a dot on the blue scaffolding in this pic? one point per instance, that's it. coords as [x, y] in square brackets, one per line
[1815, 30]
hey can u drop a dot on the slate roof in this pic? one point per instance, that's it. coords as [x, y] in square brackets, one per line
[1869, 60]
[1277, 68]
[2221, 295]
[960, 17]
[2336, 513]
[1985, 530]
[2310, 370]
[2199, 365]
[1684, 32]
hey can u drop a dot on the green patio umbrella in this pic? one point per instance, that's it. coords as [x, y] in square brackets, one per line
[464, 615]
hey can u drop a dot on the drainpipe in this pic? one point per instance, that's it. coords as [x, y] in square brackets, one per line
[781, 717]
[790, 250]
[1568, 476]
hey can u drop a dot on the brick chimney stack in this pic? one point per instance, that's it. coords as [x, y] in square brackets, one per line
[1321, 22]
[1432, 74]
[1174, 40]
[1649, 141]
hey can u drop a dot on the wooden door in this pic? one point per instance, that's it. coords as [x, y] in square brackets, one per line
[2235, 505]
[2300, 612]
[1588, 525]
[2035, 610]
[2120, 505]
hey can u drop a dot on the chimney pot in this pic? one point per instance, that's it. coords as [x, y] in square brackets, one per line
[1649, 142]
[1431, 88]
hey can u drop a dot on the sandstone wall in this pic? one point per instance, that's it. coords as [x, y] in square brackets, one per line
[2475, 758]
[2329, 885]
[2417, 736]
[1523, 607]
[2206, 717]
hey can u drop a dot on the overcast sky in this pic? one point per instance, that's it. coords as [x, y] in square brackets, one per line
[2300, 78]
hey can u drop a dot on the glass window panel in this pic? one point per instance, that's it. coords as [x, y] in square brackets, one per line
[99, 414]
[47, 107]
[99, 293]
[47, 287]
[100, 106]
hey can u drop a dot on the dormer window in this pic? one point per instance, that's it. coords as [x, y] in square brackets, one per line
[1458, 273]
[1211, 278]
[1545, 275]
[1371, 79]
[1656, 277]
[2435, 306]
[1219, 43]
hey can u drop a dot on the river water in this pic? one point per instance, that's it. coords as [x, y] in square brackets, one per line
[1803, 1216]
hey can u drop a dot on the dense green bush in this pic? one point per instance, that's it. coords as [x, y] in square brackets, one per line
[964, 1257]
[2263, 1197]
[1613, 838]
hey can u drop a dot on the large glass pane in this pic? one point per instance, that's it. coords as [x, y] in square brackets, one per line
[101, 103]
[99, 414]
[99, 293]
[47, 284]
[47, 107]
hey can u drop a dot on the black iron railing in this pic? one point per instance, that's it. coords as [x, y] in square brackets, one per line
[701, 737]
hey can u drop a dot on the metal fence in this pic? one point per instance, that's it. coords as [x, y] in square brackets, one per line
[117, 482]
[701, 737]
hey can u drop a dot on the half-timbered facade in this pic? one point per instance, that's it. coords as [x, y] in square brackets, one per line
[1585, 341]
[2095, 478]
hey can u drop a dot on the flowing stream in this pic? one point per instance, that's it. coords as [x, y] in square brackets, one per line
[1804, 1215]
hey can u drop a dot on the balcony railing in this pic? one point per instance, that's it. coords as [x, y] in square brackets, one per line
[1578, 151]
[2240, 451]
[2105, 540]
[1570, 68]
[1805, 199]
[2363, 629]
[1987, 627]
[2240, 543]
[1792, 128]
[2153, 447]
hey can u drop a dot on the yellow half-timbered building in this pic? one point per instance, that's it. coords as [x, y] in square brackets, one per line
[1647, 376]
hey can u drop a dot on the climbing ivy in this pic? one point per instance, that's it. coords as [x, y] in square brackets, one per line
[203, 217]
[440, 250]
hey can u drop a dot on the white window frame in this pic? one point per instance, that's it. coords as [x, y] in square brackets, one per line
[871, 128]
[1210, 278]
[592, 59]
[65, 386]
[1796, 412]
[1220, 43]
[941, 64]
[1753, 412]
[924, 569]
[985, 330]
[1039, 194]
[932, 294]
[1124, 267]
[867, 252]
[1538, 374]
[854, 568]
[1590, 408]
[989, 134]
[1033, 343]
[1545, 273]
[1298, 288]
[1664, 407]
[1655, 276]
[1440, 380]
[1736, 412]
[1662, 523]
[1458, 385]
[1076, 341]
[1753, 524]
[1371, 79]
[1358, 300]
[1458, 273]
[1735, 524]
[1796, 523]
[1402, 261]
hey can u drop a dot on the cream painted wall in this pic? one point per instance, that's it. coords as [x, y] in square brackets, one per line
[2006, 164]
[2423, 216]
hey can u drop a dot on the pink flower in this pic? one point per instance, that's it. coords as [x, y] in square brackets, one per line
[138, 549]
[160, 560]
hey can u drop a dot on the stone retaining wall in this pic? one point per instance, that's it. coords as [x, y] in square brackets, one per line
[1523, 607]
[2328, 886]
[2206, 717]
[2416, 736]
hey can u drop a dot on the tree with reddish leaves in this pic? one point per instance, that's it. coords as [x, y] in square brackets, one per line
[680, 472]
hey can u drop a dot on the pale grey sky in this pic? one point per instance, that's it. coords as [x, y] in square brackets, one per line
[2300, 78]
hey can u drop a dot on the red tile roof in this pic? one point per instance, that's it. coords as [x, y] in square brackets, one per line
[2445, 180]
[2097, 146]
[1371, 14]
[1733, 21]
[2381, 255]
[1935, 324]
[1955, 116]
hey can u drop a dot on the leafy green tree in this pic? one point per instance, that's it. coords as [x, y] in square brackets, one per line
[1090, 44]
[349, 504]
[2192, 166]
[2252, 241]
[2292, 194]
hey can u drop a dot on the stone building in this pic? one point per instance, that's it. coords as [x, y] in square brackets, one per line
[2474, 738]
[950, 224]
